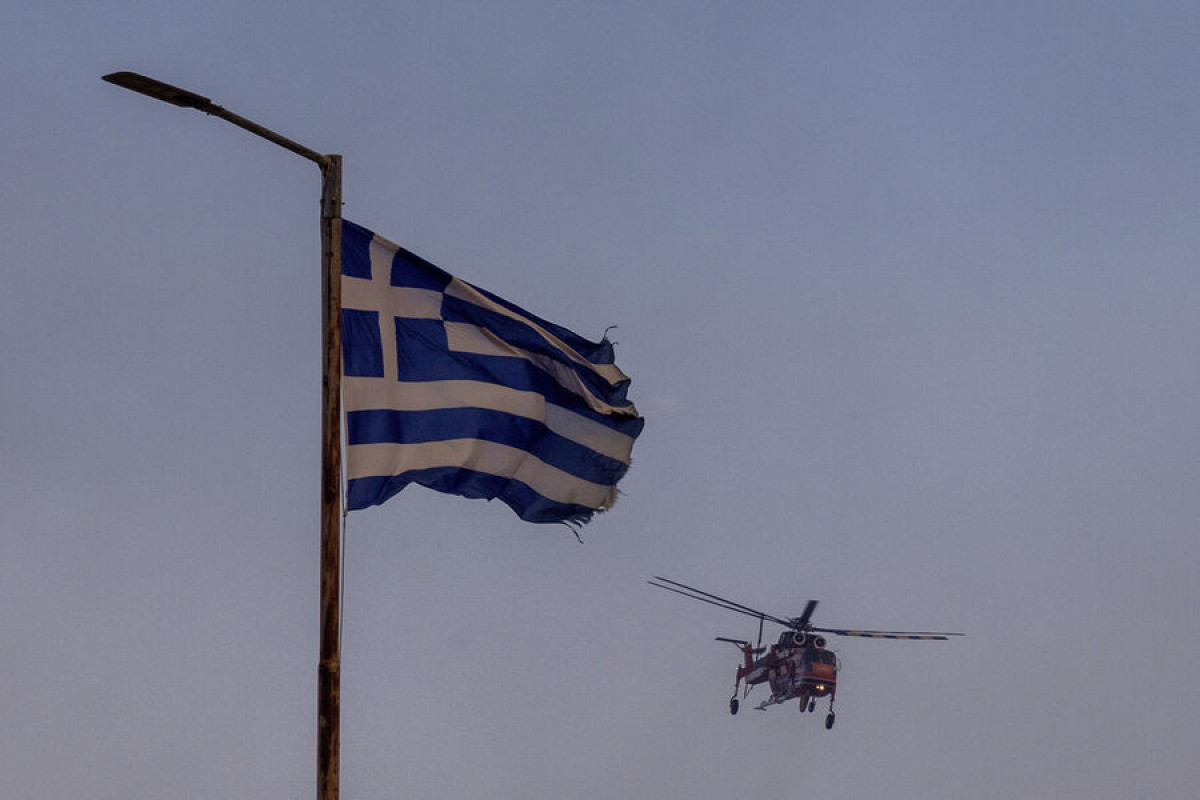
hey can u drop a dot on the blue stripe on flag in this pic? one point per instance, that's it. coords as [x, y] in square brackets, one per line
[409, 427]
[600, 352]
[409, 269]
[522, 335]
[529, 505]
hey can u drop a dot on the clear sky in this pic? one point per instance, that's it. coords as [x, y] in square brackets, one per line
[909, 296]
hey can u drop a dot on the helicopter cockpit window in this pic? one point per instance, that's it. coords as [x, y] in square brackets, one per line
[824, 657]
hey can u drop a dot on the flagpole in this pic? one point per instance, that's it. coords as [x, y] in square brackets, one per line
[329, 666]
[329, 680]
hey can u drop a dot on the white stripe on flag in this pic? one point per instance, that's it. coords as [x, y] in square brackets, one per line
[366, 394]
[487, 457]
[464, 291]
[462, 337]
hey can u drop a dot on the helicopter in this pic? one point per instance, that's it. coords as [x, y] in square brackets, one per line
[797, 666]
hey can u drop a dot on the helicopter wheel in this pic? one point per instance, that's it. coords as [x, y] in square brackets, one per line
[829, 721]
[733, 705]
[812, 704]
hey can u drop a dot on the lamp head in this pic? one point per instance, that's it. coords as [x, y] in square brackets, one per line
[159, 90]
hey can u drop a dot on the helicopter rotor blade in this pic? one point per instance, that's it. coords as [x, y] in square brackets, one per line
[710, 602]
[712, 599]
[910, 635]
[801, 622]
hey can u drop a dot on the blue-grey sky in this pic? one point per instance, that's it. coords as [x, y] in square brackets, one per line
[909, 296]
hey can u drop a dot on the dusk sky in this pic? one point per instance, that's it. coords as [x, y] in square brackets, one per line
[909, 294]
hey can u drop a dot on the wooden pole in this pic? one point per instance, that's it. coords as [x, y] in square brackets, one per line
[329, 677]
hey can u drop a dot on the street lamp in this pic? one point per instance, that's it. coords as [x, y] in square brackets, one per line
[329, 667]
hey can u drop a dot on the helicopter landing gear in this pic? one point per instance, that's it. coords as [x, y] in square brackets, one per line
[829, 721]
[733, 704]
[812, 704]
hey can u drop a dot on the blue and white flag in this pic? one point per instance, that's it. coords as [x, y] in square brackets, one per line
[448, 386]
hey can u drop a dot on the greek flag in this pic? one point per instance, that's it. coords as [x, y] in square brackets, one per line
[450, 387]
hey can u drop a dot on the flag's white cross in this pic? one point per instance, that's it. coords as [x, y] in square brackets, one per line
[378, 294]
